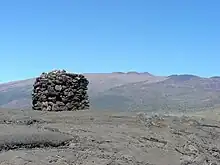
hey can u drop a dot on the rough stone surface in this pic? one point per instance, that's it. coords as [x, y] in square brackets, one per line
[60, 91]
[107, 138]
[30, 137]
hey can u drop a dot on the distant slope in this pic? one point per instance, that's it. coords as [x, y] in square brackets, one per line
[18, 94]
[177, 93]
[132, 91]
[104, 81]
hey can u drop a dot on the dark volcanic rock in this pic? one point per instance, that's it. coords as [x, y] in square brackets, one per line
[60, 91]
[25, 137]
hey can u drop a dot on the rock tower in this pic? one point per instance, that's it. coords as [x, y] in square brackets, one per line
[60, 91]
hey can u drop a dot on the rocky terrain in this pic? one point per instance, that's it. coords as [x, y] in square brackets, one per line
[107, 138]
[131, 91]
[59, 90]
[17, 94]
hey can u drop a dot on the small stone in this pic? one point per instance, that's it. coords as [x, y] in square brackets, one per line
[64, 99]
[70, 94]
[69, 105]
[58, 87]
[49, 108]
[59, 103]
[72, 145]
[60, 91]
[44, 108]
[53, 99]
[216, 154]
[63, 108]
[192, 148]
[55, 107]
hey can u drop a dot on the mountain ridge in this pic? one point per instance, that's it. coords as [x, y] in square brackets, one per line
[131, 91]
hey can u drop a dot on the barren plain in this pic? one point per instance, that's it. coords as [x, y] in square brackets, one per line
[107, 138]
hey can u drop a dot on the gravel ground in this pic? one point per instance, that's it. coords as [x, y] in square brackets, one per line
[106, 138]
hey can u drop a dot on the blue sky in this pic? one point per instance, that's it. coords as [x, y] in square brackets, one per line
[161, 37]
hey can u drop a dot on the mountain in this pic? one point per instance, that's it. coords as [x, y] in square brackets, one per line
[179, 93]
[18, 94]
[132, 91]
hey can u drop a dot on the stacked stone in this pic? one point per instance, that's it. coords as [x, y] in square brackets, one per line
[60, 91]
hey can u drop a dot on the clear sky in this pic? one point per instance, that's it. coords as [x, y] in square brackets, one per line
[158, 36]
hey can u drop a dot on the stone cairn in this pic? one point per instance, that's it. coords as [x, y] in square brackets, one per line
[60, 91]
